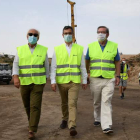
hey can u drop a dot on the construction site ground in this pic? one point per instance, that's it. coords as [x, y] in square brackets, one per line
[13, 120]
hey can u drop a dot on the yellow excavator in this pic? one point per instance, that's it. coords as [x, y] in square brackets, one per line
[72, 19]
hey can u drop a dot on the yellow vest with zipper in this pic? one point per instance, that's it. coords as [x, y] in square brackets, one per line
[31, 65]
[124, 75]
[68, 67]
[102, 63]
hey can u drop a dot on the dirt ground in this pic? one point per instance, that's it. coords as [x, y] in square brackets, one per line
[13, 120]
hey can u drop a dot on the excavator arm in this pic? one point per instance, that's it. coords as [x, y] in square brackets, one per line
[72, 19]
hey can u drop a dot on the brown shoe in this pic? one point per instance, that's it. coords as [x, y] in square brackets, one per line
[31, 135]
[73, 131]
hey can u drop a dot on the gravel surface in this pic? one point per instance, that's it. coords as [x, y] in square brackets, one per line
[13, 120]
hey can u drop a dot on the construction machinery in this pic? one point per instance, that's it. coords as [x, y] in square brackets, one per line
[72, 19]
[5, 72]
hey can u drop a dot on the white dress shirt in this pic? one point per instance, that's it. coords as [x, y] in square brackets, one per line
[54, 67]
[16, 64]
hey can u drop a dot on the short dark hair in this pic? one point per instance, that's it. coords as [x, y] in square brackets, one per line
[67, 27]
[107, 29]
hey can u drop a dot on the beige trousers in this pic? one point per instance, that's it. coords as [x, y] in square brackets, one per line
[102, 91]
[69, 96]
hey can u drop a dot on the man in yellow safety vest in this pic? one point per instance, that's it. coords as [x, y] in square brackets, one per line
[68, 64]
[103, 59]
[30, 71]
[125, 74]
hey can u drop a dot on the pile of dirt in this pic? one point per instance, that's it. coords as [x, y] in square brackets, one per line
[134, 60]
[134, 64]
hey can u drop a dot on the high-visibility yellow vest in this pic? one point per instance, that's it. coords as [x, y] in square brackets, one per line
[31, 65]
[102, 63]
[68, 67]
[124, 75]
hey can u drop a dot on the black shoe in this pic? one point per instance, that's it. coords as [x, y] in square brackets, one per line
[97, 123]
[63, 124]
[73, 131]
[122, 94]
[108, 131]
[121, 97]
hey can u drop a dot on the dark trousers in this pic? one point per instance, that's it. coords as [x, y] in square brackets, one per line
[32, 99]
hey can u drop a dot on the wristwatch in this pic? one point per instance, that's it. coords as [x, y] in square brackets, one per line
[118, 76]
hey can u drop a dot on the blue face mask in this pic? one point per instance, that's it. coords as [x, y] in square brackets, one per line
[68, 38]
[32, 39]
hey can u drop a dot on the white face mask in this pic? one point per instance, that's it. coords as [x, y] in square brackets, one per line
[123, 62]
[101, 37]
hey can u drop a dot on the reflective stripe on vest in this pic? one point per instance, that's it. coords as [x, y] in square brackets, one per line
[102, 62]
[32, 74]
[31, 65]
[68, 67]
[105, 61]
[102, 68]
[68, 73]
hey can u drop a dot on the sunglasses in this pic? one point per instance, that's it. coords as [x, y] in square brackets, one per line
[68, 33]
[31, 34]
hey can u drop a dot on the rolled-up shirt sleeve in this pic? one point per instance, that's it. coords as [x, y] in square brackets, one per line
[117, 57]
[53, 69]
[15, 65]
[83, 70]
[87, 55]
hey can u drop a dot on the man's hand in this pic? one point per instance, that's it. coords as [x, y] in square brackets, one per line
[117, 81]
[84, 86]
[53, 86]
[16, 81]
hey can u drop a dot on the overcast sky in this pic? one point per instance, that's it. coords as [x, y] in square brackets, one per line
[122, 17]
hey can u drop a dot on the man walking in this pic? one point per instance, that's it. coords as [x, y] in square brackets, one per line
[104, 60]
[68, 63]
[30, 70]
[125, 74]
